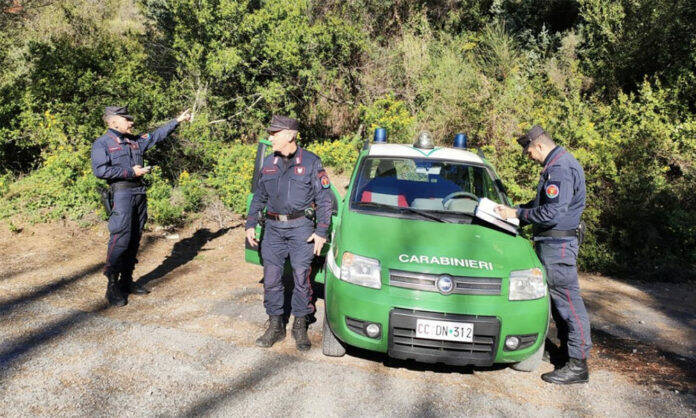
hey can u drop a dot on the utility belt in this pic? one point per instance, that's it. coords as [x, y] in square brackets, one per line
[306, 213]
[578, 233]
[557, 233]
[125, 184]
[107, 195]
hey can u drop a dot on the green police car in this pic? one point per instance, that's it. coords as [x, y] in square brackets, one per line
[418, 265]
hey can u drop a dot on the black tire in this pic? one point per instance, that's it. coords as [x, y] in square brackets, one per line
[330, 345]
[532, 362]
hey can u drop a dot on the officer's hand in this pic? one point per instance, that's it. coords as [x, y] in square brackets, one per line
[318, 243]
[506, 212]
[140, 171]
[185, 116]
[251, 237]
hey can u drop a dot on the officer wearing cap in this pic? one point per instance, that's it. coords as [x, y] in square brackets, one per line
[555, 215]
[292, 181]
[117, 157]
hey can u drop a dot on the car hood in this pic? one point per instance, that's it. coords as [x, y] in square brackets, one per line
[434, 247]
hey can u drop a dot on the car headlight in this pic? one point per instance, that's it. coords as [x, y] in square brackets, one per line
[360, 270]
[527, 284]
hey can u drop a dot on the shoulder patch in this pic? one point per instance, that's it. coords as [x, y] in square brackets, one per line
[325, 182]
[552, 190]
[145, 136]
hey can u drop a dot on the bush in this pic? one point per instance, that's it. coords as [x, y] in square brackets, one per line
[232, 175]
[170, 205]
[339, 155]
[389, 113]
[63, 187]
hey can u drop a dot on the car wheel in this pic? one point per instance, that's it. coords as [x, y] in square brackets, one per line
[531, 363]
[331, 346]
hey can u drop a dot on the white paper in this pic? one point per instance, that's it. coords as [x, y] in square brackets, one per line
[486, 211]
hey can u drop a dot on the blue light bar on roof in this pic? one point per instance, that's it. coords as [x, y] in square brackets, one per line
[380, 135]
[460, 140]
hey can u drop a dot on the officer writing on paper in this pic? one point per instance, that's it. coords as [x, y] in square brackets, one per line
[117, 157]
[292, 181]
[555, 215]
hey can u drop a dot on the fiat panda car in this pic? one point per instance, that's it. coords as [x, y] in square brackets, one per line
[419, 266]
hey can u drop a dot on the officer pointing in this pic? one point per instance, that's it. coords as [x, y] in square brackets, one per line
[555, 215]
[117, 157]
[291, 183]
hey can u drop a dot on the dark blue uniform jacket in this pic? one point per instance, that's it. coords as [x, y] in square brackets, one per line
[289, 185]
[114, 154]
[560, 197]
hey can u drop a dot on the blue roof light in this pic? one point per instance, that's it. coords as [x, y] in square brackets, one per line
[460, 140]
[380, 135]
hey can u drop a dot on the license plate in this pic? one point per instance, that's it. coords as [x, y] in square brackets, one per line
[443, 330]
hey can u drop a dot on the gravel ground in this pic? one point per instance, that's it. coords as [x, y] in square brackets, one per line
[187, 348]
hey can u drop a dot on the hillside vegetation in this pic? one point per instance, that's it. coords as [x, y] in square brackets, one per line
[611, 80]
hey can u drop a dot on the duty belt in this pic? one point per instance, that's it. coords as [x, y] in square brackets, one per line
[557, 233]
[126, 184]
[285, 217]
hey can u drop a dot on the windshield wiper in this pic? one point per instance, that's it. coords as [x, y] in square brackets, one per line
[403, 209]
[424, 214]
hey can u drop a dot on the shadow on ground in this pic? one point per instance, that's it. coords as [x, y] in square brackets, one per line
[184, 251]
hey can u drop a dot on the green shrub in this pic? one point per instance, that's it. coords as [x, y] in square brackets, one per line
[232, 175]
[63, 187]
[162, 209]
[389, 113]
[339, 155]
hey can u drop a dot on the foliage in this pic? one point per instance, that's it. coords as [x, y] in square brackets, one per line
[340, 154]
[232, 174]
[613, 81]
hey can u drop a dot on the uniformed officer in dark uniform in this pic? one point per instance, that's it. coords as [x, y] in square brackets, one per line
[555, 215]
[117, 157]
[291, 183]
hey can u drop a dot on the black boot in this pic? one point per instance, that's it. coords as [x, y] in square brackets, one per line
[575, 371]
[299, 333]
[274, 333]
[113, 293]
[129, 286]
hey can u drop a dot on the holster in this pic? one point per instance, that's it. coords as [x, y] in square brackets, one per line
[261, 218]
[580, 232]
[107, 200]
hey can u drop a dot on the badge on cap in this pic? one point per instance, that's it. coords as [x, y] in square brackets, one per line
[552, 191]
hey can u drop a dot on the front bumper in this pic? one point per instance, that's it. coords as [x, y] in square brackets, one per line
[396, 311]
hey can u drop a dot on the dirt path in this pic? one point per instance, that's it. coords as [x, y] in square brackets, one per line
[187, 348]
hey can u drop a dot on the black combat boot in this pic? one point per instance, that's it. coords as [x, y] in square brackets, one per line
[299, 333]
[575, 371]
[113, 292]
[274, 333]
[129, 286]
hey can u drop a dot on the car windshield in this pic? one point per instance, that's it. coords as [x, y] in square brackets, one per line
[392, 184]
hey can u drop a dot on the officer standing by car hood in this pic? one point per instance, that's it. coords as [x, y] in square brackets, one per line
[291, 183]
[555, 215]
[117, 157]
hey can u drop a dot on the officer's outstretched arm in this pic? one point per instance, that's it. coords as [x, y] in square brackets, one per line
[322, 197]
[149, 140]
[556, 196]
[102, 168]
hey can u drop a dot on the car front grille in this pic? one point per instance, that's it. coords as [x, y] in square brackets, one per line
[490, 286]
[403, 343]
